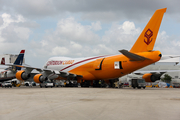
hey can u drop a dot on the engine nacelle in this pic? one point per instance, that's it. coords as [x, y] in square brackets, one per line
[150, 77]
[39, 78]
[22, 75]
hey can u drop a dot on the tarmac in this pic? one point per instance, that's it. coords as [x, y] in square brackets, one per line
[36, 103]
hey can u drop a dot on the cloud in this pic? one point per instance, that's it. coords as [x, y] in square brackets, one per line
[168, 45]
[75, 45]
[31, 8]
[129, 28]
[106, 10]
[10, 31]
[96, 26]
[121, 36]
[69, 38]
[72, 39]
[72, 30]
[19, 30]
[60, 51]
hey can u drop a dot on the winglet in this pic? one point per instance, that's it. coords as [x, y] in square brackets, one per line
[132, 56]
[147, 38]
[3, 61]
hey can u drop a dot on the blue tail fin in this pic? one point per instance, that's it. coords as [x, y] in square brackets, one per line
[19, 59]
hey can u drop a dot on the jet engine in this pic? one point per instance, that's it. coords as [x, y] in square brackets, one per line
[22, 75]
[39, 78]
[149, 77]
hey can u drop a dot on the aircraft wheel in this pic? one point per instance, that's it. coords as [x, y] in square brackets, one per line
[82, 85]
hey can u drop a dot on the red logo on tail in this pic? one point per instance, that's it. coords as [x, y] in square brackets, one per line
[3, 61]
[148, 34]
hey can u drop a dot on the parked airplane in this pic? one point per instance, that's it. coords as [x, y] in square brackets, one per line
[102, 67]
[10, 73]
[154, 72]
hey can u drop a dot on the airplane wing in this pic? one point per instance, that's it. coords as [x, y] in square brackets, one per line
[169, 58]
[153, 71]
[50, 74]
[29, 68]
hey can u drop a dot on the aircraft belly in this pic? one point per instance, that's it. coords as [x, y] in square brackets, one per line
[103, 75]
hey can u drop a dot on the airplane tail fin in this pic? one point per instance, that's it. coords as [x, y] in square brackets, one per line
[3, 61]
[19, 59]
[147, 38]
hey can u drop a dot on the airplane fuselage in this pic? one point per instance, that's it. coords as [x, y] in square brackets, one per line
[101, 67]
[6, 75]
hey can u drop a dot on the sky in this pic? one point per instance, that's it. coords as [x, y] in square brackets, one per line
[83, 28]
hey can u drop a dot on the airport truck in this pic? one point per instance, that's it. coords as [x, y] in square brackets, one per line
[139, 83]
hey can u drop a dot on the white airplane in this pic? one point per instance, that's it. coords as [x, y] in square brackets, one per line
[154, 72]
[9, 73]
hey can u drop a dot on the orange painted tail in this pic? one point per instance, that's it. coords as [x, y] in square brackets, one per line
[147, 39]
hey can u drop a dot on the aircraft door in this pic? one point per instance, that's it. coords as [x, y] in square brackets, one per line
[118, 65]
[98, 64]
[5, 74]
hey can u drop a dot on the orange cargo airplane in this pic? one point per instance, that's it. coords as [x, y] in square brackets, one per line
[102, 67]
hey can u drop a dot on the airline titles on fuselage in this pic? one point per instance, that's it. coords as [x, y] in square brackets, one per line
[60, 62]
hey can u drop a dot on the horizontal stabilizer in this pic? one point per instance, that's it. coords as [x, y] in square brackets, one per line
[132, 56]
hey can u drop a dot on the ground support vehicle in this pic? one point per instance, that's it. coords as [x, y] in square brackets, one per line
[176, 85]
[139, 83]
[118, 84]
[47, 84]
[62, 83]
[16, 83]
[99, 84]
[71, 83]
[126, 84]
[27, 83]
[7, 84]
